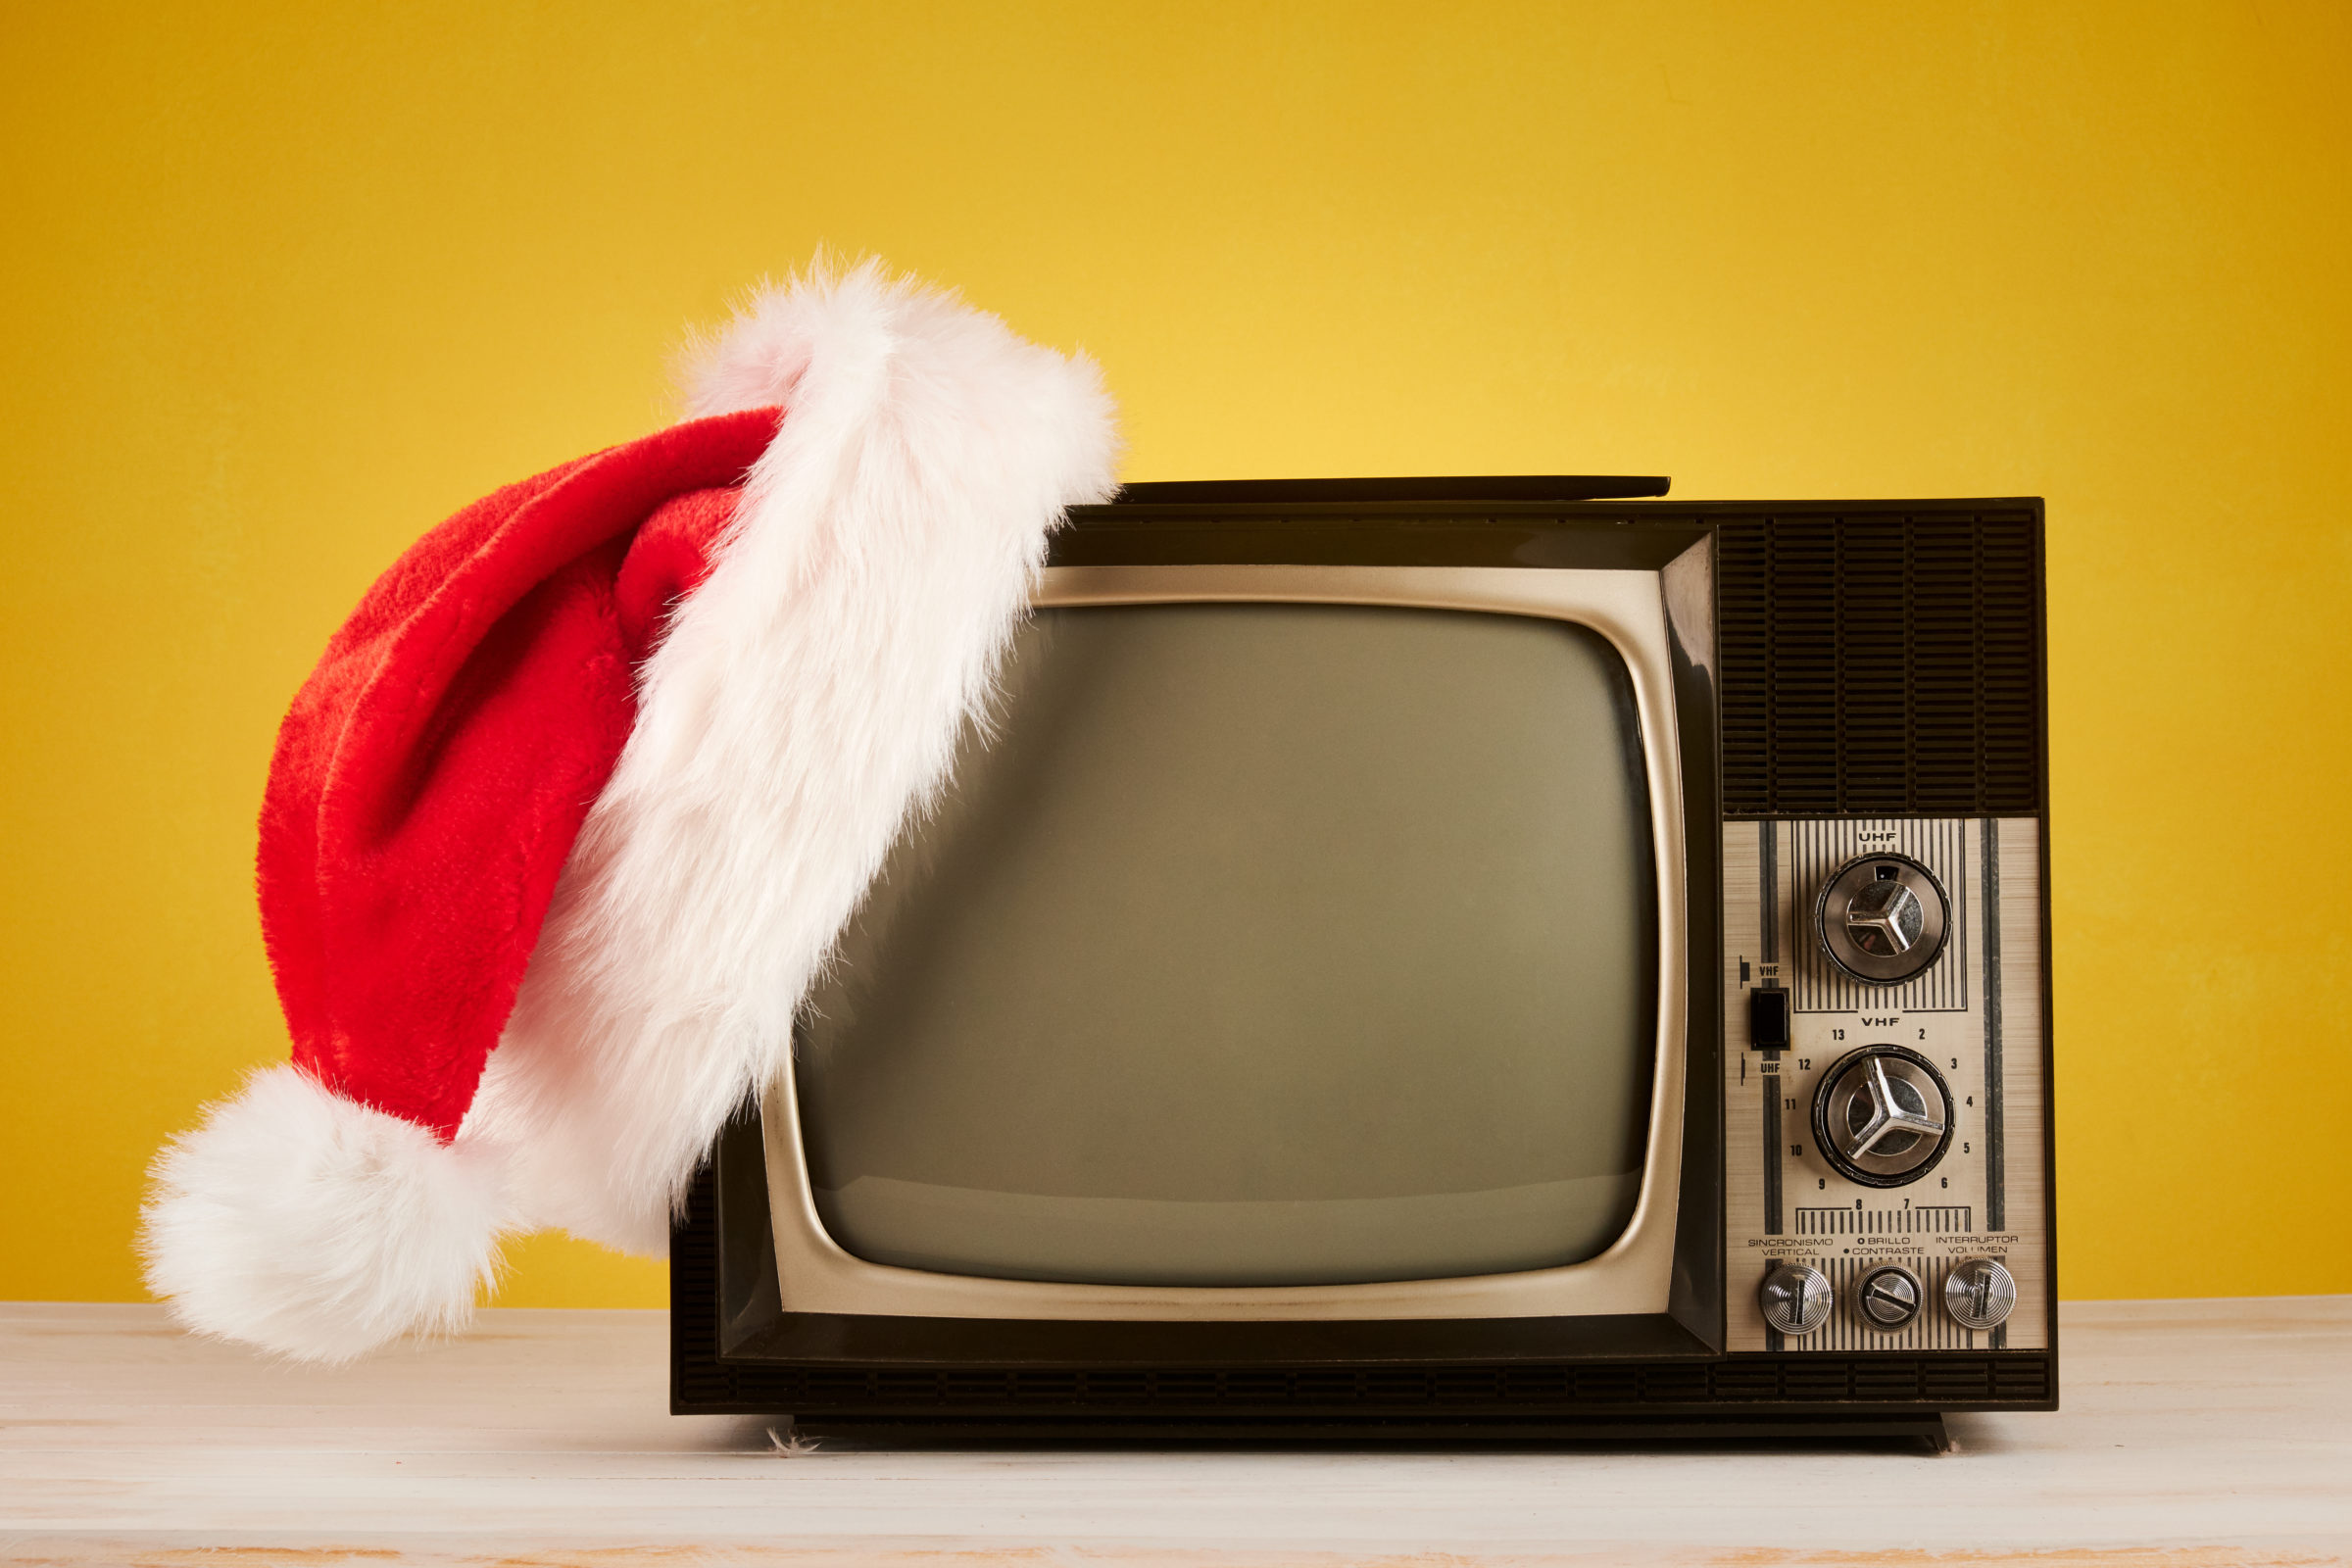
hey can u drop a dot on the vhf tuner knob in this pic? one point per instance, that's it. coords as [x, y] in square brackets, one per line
[1883, 918]
[1883, 1116]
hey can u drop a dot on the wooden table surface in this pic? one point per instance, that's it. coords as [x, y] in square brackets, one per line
[2194, 1433]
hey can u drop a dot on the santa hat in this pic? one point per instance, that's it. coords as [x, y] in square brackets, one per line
[579, 801]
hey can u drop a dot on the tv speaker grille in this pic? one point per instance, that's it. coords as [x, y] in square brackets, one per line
[1881, 663]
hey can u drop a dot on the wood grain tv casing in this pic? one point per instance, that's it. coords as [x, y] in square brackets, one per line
[1841, 674]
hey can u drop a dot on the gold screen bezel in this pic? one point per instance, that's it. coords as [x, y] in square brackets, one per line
[1632, 1276]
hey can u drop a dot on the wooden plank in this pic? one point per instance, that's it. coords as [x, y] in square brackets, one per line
[2194, 1433]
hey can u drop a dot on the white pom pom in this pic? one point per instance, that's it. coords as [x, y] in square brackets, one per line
[317, 1227]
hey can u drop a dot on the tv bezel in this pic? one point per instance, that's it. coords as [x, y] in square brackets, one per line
[1627, 611]
[1676, 556]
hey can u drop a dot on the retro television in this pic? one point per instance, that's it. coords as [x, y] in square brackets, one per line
[1483, 958]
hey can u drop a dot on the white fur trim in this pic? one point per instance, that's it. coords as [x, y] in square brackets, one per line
[807, 698]
[314, 1226]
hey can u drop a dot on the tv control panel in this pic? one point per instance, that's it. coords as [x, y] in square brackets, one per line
[1884, 1072]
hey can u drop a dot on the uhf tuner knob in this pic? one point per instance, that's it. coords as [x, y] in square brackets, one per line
[1978, 1294]
[1883, 918]
[1883, 1116]
[1796, 1298]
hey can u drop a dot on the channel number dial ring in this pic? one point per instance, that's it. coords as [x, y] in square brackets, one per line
[1883, 918]
[1883, 1116]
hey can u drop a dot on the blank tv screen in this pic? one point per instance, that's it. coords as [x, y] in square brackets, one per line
[1260, 944]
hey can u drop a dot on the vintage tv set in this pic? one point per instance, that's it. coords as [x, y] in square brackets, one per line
[1509, 958]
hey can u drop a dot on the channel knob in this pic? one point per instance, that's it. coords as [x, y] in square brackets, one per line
[1883, 918]
[1883, 1116]
[1978, 1294]
[1796, 1298]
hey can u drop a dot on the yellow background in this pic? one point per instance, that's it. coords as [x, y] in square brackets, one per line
[285, 285]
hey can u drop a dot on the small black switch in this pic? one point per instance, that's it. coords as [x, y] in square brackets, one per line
[1768, 1020]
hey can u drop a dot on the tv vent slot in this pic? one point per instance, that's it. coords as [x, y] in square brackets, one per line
[1957, 1382]
[1825, 1379]
[1740, 1380]
[1387, 1387]
[2021, 1378]
[1325, 1388]
[1457, 1386]
[1609, 1385]
[1886, 1380]
[1187, 1387]
[2008, 1378]
[826, 1384]
[1536, 1382]
[1669, 1384]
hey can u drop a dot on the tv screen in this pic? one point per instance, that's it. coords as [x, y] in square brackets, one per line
[1258, 945]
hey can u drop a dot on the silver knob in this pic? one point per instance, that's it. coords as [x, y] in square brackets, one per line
[1883, 918]
[1883, 1116]
[1886, 918]
[1796, 1298]
[1887, 1296]
[1979, 1294]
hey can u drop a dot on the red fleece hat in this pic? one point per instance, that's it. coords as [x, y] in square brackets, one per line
[561, 828]
[437, 765]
